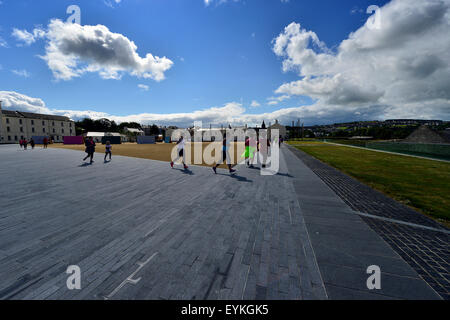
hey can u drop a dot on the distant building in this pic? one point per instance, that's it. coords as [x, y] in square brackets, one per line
[16, 125]
[169, 131]
[137, 132]
[281, 128]
[148, 130]
[410, 122]
[97, 136]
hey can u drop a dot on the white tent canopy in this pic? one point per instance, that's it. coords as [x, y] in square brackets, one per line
[103, 134]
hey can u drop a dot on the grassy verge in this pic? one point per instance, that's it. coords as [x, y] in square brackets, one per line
[419, 183]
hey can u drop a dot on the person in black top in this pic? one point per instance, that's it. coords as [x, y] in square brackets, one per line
[90, 149]
[225, 156]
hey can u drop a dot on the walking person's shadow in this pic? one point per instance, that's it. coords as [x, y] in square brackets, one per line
[185, 171]
[86, 164]
[235, 176]
[285, 175]
[240, 178]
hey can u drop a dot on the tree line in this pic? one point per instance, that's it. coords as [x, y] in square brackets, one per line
[106, 125]
[378, 133]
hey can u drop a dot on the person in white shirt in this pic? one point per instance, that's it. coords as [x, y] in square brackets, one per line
[108, 148]
[180, 147]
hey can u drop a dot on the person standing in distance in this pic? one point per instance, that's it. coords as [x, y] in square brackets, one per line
[108, 148]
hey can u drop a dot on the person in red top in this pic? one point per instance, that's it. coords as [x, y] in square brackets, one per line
[90, 149]
[21, 143]
[45, 143]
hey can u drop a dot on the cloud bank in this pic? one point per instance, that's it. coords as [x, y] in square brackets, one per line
[400, 70]
[230, 113]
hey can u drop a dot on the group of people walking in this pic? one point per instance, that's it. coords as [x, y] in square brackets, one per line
[90, 149]
[252, 147]
[24, 143]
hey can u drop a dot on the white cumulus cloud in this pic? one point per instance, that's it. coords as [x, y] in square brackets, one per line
[73, 50]
[255, 104]
[272, 101]
[399, 70]
[230, 113]
[143, 87]
[3, 43]
[21, 73]
[110, 3]
[28, 37]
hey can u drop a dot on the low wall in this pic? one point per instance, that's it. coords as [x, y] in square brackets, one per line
[146, 139]
[112, 140]
[39, 139]
[73, 140]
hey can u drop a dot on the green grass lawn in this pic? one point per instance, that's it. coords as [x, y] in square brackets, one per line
[419, 183]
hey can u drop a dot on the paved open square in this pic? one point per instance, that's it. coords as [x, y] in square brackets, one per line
[141, 230]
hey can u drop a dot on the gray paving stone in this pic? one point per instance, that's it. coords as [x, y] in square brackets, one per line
[343, 293]
[391, 285]
[215, 236]
[341, 241]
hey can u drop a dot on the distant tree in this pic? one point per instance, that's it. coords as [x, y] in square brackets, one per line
[154, 130]
[79, 130]
[309, 134]
[89, 125]
[133, 125]
[341, 134]
[114, 127]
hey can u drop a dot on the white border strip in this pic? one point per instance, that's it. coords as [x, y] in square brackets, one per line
[402, 222]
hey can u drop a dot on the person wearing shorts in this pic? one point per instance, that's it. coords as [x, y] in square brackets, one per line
[249, 154]
[180, 148]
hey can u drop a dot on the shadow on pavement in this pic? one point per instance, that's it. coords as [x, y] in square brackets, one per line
[86, 164]
[185, 171]
[235, 176]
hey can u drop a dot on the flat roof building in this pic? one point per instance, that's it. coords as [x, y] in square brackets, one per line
[97, 136]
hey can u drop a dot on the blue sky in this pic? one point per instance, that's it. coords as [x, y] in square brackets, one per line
[221, 53]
